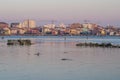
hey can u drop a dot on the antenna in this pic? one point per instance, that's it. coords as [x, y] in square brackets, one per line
[28, 24]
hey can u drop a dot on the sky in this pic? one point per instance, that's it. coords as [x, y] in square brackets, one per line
[102, 12]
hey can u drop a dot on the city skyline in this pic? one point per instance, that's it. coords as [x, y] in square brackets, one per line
[96, 11]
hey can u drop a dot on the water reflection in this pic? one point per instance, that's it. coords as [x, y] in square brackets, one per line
[82, 63]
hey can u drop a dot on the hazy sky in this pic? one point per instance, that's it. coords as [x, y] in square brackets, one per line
[96, 11]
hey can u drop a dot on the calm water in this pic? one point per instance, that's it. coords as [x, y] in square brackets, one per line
[84, 63]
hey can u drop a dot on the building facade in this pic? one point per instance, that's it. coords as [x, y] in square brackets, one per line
[29, 24]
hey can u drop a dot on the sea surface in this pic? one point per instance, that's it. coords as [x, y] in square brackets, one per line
[59, 59]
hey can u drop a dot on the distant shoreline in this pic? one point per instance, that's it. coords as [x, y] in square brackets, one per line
[63, 35]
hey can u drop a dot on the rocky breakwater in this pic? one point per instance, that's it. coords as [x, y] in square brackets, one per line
[19, 42]
[107, 45]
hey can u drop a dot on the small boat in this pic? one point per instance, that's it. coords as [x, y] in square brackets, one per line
[37, 54]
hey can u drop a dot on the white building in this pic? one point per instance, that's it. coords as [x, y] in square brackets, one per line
[89, 25]
[51, 26]
[29, 24]
[62, 25]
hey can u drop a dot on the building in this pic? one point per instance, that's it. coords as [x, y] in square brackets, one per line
[6, 31]
[4, 28]
[14, 30]
[62, 25]
[47, 29]
[103, 32]
[4, 25]
[90, 26]
[50, 26]
[15, 25]
[29, 24]
[75, 29]
[75, 25]
[73, 32]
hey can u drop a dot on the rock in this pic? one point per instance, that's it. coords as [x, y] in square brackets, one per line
[19, 42]
[64, 59]
[37, 54]
[107, 45]
[65, 52]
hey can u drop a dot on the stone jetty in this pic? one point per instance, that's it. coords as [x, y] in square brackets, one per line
[19, 42]
[107, 45]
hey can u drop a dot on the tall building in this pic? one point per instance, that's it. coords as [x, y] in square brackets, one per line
[29, 24]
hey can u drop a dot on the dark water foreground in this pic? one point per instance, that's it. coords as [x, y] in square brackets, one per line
[58, 61]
